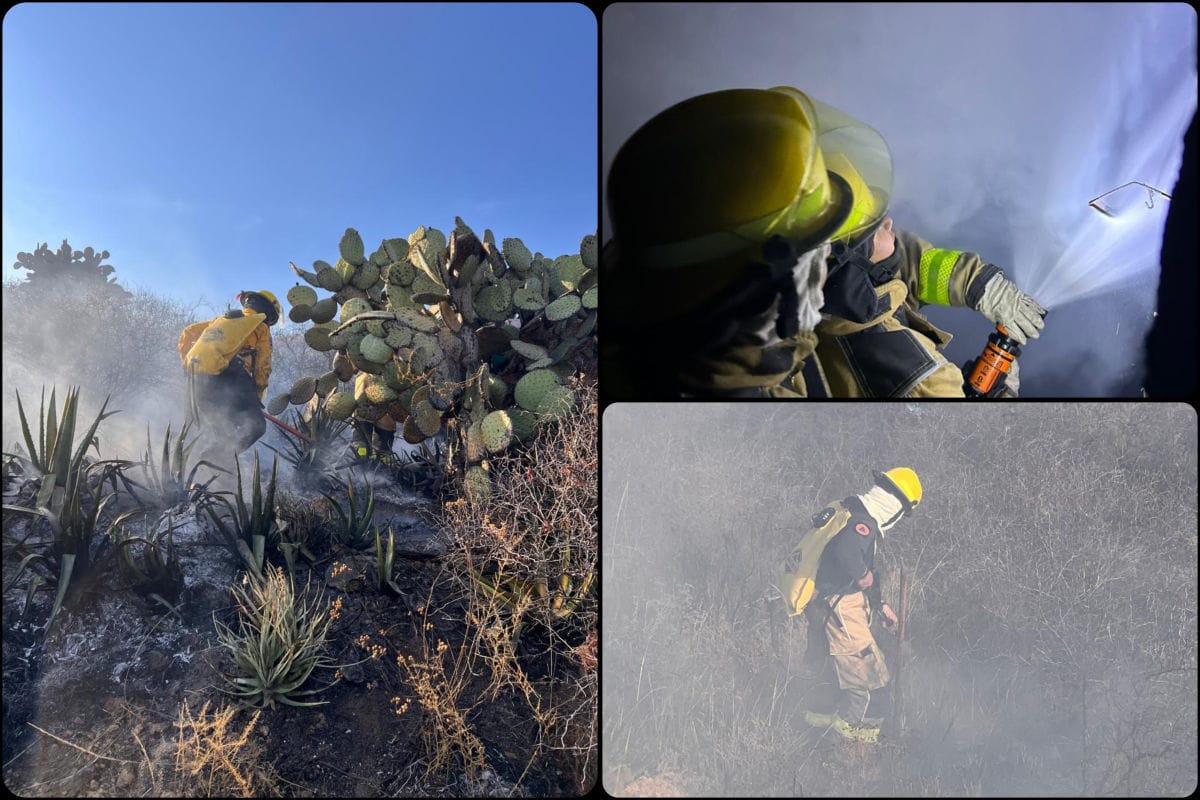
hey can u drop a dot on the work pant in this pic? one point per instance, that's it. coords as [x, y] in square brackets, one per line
[229, 409]
[857, 659]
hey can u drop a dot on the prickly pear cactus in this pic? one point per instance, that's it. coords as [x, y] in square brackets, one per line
[453, 333]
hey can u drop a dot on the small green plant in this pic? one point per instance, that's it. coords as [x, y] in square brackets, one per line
[313, 457]
[353, 529]
[384, 558]
[251, 526]
[169, 481]
[278, 643]
[157, 575]
[423, 469]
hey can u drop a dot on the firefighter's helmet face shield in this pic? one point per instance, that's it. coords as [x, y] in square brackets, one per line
[859, 155]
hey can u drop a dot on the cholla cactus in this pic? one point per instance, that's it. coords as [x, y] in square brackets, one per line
[452, 331]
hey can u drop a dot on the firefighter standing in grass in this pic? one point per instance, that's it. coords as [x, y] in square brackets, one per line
[847, 598]
[228, 364]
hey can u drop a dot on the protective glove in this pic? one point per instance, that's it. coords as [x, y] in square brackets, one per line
[1003, 303]
[1012, 382]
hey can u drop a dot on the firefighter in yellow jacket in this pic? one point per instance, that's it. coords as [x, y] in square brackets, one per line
[742, 261]
[848, 597]
[228, 364]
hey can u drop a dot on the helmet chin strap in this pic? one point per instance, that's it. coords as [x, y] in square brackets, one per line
[891, 523]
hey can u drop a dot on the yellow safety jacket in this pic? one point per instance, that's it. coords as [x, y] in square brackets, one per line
[252, 349]
[897, 353]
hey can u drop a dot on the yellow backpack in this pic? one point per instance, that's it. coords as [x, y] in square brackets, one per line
[220, 342]
[797, 583]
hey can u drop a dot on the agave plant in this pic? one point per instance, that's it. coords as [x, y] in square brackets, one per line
[313, 457]
[353, 529]
[157, 575]
[54, 456]
[251, 526]
[423, 468]
[384, 558]
[70, 499]
[278, 643]
[170, 481]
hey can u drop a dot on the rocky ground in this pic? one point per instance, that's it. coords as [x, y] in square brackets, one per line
[91, 709]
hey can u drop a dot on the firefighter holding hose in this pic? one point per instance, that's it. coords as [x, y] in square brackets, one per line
[752, 256]
[228, 364]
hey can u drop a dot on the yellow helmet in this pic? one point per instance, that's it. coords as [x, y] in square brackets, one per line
[903, 483]
[695, 193]
[253, 301]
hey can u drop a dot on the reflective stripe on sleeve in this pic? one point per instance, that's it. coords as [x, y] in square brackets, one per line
[934, 276]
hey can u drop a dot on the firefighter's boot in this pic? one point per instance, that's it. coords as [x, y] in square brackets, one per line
[360, 441]
[856, 733]
[381, 446]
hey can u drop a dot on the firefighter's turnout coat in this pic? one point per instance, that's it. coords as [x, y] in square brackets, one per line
[896, 353]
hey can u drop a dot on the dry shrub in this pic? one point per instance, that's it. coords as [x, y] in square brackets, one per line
[449, 740]
[526, 561]
[219, 761]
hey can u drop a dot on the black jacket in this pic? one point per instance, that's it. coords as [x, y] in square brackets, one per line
[850, 554]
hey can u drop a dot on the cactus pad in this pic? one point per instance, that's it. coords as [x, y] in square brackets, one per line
[474, 442]
[398, 337]
[378, 392]
[318, 339]
[532, 352]
[524, 424]
[497, 430]
[563, 308]
[278, 404]
[589, 252]
[416, 320]
[400, 273]
[326, 383]
[497, 391]
[397, 249]
[528, 300]
[351, 247]
[557, 402]
[339, 405]
[324, 310]
[517, 255]
[568, 271]
[477, 485]
[301, 296]
[428, 418]
[353, 307]
[412, 432]
[427, 291]
[365, 276]
[589, 298]
[532, 388]
[375, 349]
[302, 391]
[300, 313]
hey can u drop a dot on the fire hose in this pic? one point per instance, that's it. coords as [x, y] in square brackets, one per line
[286, 427]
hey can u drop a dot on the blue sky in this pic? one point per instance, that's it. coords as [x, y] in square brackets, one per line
[207, 145]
